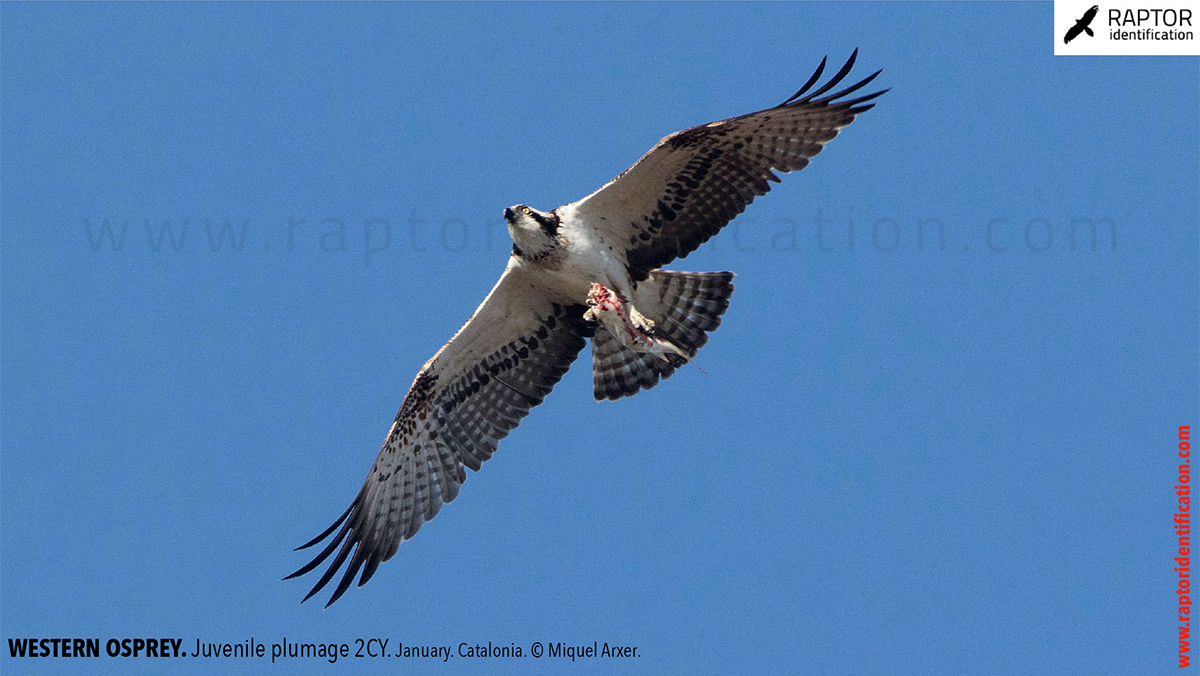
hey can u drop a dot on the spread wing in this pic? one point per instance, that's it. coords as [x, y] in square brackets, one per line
[469, 396]
[694, 182]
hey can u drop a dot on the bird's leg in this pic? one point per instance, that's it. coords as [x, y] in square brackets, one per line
[631, 328]
[640, 321]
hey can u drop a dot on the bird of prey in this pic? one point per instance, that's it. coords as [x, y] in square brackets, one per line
[589, 269]
[1081, 26]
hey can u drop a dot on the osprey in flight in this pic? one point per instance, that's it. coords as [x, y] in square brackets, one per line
[589, 269]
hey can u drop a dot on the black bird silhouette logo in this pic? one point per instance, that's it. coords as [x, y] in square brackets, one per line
[1081, 26]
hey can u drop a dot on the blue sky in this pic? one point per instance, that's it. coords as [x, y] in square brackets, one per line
[908, 455]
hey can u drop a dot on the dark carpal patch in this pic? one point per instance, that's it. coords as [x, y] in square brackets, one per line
[454, 425]
[707, 175]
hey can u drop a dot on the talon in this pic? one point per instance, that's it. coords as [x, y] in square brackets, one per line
[631, 328]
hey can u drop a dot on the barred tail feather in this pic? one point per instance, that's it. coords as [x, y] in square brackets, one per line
[685, 306]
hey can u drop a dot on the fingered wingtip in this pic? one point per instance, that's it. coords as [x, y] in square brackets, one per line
[800, 97]
[812, 80]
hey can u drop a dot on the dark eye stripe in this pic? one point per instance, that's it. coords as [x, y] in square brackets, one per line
[548, 225]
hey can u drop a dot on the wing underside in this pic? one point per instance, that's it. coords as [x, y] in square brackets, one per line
[694, 182]
[468, 397]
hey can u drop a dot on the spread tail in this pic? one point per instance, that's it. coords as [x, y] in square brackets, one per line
[685, 307]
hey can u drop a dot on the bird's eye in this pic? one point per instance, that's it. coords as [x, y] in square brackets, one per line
[525, 211]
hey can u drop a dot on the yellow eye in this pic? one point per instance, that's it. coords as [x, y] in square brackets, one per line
[525, 211]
